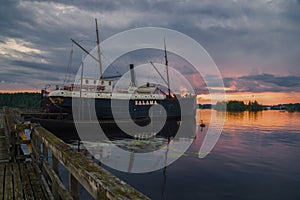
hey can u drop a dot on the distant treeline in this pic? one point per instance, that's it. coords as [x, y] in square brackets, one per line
[292, 107]
[20, 100]
[239, 106]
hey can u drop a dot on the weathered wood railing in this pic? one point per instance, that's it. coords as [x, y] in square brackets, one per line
[99, 183]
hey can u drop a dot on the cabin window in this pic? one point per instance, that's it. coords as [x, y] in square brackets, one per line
[109, 83]
[95, 82]
[86, 81]
[102, 82]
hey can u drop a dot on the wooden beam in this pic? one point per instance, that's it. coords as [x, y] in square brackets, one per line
[58, 189]
[8, 187]
[18, 190]
[2, 179]
[97, 181]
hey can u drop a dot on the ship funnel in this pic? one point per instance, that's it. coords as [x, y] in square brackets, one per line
[132, 75]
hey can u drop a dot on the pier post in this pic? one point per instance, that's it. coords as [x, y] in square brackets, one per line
[74, 187]
[55, 163]
[45, 152]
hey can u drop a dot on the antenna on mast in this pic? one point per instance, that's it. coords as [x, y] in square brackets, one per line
[167, 66]
[99, 51]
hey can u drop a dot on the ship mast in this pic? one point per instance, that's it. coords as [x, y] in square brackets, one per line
[167, 67]
[99, 51]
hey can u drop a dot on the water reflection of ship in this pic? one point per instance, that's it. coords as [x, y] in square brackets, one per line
[102, 150]
[164, 181]
[66, 129]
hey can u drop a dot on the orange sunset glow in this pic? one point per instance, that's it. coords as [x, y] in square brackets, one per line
[17, 91]
[16, 87]
[265, 98]
[234, 119]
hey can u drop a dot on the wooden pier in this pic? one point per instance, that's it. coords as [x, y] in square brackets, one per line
[36, 175]
[20, 181]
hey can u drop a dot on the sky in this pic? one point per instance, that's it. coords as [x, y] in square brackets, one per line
[255, 44]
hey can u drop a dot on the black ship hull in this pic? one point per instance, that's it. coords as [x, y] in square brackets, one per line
[59, 118]
[85, 108]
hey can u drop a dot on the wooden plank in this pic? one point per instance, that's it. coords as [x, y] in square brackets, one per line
[46, 190]
[44, 184]
[2, 179]
[23, 157]
[3, 146]
[55, 188]
[35, 182]
[18, 189]
[2, 169]
[3, 153]
[8, 186]
[2, 133]
[28, 192]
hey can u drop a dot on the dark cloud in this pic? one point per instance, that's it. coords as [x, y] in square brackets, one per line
[24, 78]
[39, 66]
[282, 81]
[263, 83]
[238, 35]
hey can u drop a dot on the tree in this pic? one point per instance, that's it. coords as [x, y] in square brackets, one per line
[238, 106]
[20, 100]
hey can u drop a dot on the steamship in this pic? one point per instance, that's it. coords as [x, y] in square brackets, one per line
[97, 95]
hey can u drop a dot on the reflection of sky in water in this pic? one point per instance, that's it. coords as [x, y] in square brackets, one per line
[256, 157]
[139, 155]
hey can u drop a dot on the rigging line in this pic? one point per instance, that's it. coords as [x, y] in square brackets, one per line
[110, 65]
[67, 75]
[161, 76]
[85, 50]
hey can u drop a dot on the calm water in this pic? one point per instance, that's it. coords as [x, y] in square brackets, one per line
[256, 157]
